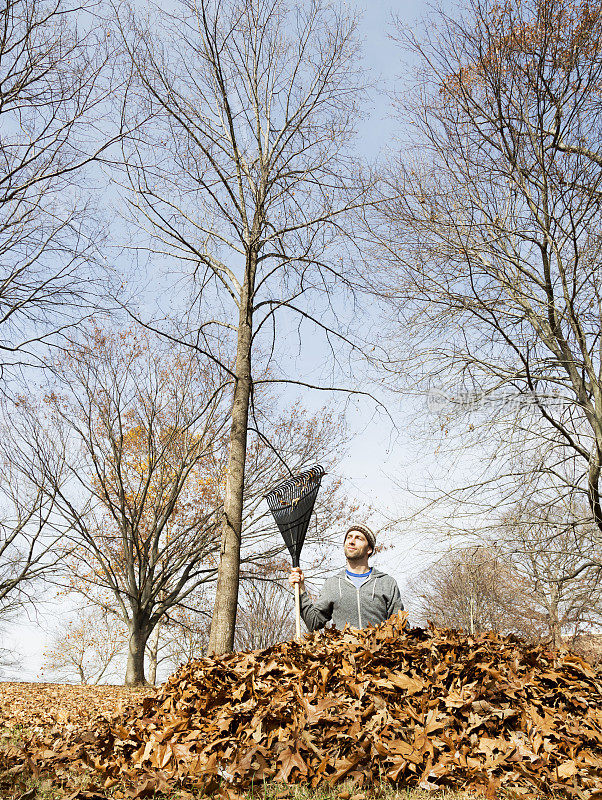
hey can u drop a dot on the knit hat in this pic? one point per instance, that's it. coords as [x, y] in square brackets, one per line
[367, 533]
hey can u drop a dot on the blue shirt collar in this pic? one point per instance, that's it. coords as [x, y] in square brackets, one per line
[358, 574]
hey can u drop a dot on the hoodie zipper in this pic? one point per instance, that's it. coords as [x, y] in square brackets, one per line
[359, 608]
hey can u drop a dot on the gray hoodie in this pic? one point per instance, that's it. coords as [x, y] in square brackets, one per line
[342, 603]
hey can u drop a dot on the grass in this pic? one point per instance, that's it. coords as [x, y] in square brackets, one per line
[47, 789]
[14, 735]
[347, 791]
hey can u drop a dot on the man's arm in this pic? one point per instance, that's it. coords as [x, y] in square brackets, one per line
[316, 615]
[394, 603]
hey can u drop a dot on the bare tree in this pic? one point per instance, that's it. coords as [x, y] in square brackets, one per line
[32, 539]
[560, 601]
[54, 85]
[523, 581]
[468, 588]
[246, 179]
[266, 615]
[54, 78]
[88, 647]
[29, 541]
[490, 240]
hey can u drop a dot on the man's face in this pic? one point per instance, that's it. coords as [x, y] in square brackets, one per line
[356, 547]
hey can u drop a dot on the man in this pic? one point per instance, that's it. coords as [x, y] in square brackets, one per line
[358, 596]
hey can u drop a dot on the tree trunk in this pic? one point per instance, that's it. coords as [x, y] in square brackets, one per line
[553, 620]
[134, 673]
[471, 613]
[153, 652]
[223, 621]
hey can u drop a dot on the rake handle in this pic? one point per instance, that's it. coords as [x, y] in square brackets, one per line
[297, 611]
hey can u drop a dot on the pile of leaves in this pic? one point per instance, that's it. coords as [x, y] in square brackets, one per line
[427, 708]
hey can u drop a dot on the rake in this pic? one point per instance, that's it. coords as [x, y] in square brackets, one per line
[291, 504]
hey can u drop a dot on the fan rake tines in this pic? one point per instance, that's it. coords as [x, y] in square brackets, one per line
[292, 503]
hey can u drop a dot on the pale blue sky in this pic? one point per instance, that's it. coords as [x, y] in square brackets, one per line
[386, 62]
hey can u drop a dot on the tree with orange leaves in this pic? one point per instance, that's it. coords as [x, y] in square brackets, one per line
[129, 442]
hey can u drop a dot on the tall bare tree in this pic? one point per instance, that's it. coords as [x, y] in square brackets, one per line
[246, 179]
[490, 241]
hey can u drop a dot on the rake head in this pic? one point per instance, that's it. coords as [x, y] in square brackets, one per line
[291, 503]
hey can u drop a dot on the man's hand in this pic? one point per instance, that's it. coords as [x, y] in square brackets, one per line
[297, 576]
